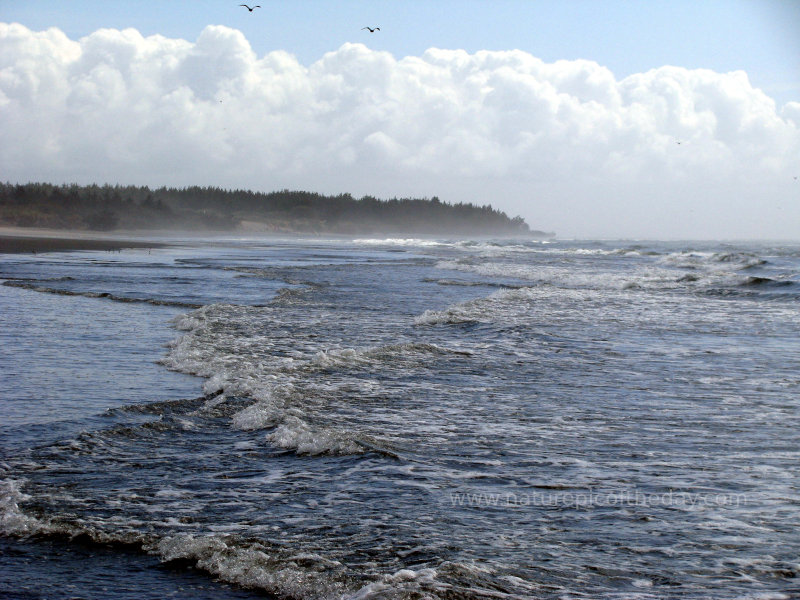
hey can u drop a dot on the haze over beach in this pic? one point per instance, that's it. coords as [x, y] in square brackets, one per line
[659, 119]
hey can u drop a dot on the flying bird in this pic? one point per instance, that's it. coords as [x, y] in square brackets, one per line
[371, 29]
[251, 9]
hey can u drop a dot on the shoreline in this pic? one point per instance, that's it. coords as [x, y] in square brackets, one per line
[27, 240]
[17, 240]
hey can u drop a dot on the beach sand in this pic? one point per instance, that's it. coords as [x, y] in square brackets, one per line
[15, 240]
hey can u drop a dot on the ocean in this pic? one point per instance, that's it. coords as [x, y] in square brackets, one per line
[401, 418]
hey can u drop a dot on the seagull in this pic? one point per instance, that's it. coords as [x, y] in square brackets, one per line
[371, 29]
[250, 9]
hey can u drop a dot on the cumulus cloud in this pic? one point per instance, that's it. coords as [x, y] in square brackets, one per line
[566, 144]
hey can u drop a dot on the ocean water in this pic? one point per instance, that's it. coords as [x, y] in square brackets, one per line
[390, 418]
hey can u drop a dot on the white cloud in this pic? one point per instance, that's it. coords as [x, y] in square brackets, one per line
[566, 144]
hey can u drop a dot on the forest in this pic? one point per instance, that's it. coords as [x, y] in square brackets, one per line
[109, 208]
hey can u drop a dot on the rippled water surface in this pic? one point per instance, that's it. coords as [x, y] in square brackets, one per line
[402, 419]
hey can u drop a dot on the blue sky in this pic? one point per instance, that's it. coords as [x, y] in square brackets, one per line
[592, 119]
[761, 37]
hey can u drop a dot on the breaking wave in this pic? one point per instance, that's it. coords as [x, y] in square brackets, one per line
[297, 387]
[713, 260]
[251, 564]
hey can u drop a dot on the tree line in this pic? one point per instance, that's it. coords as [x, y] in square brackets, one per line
[106, 208]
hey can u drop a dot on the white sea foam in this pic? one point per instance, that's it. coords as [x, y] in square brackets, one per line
[445, 580]
[241, 365]
[303, 575]
[564, 277]
[400, 242]
[212, 403]
[12, 520]
[296, 434]
[394, 584]
[253, 566]
[230, 346]
[507, 305]
[662, 272]
[712, 261]
[345, 357]
[474, 246]
[341, 357]
[258, 415]
[187, 323]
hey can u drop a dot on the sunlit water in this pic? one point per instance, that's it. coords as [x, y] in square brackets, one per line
[402, 419]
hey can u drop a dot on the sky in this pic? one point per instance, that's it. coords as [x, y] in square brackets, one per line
[593, 119]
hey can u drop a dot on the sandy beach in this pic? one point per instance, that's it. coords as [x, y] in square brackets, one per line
[15, 240]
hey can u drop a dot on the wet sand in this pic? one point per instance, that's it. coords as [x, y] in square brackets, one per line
[15, 240]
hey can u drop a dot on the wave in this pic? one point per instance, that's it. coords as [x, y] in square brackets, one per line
[401, 242]
[291, 430]
[295, 434]
[105, 295]
[544, 248]
[691, 270]
[690, 259]
[280, 569]
[451, 316]
[12, 520]
[768, 281]
[278, 273]
[411, 351]
[463, 283]
[251, 564]
[628, 251]
[742, 260]
[225, 340]
[511, 246]
[504, 305]
[289, 296]
[563, 277]
[297, 388]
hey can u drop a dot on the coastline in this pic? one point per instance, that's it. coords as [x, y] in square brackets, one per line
[28, 240]
[20, 240]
